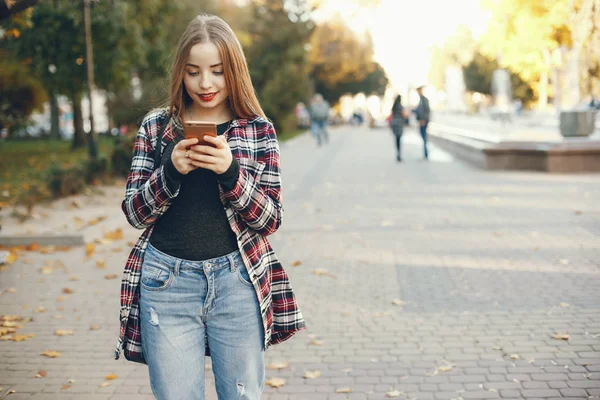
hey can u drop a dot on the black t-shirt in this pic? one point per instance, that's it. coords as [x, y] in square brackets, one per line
[195, 226]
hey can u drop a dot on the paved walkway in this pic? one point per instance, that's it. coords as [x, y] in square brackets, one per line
[444, 282]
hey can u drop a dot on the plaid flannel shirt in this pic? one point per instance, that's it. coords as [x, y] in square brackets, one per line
[253, 208]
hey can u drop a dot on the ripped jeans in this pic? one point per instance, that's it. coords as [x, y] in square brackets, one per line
[183, 304]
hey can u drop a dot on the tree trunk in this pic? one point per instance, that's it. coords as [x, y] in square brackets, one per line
[54, 115]
[79, 136]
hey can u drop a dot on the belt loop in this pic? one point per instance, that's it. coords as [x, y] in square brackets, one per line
[232, 264]
[177, 264]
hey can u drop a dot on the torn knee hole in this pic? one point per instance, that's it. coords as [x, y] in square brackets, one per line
[153, 316]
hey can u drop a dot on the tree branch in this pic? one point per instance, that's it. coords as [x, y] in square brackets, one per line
[6, 11]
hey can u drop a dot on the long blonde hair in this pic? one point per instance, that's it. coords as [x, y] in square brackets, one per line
[210, 28]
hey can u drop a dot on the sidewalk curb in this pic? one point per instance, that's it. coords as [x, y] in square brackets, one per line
[43, 240]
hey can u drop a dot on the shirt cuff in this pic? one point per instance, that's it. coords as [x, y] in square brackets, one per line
[229, 178]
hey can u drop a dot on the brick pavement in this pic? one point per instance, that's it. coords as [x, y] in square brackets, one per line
[484, 266]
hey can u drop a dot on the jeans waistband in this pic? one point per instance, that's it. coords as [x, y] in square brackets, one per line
[213, 263]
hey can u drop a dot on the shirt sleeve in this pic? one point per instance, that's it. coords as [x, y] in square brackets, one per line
[258, 200]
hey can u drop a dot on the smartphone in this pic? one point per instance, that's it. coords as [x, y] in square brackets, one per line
[199, 129]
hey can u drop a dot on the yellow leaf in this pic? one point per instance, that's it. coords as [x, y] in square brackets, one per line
[115, 235]
[67, 291]
[105, 384]
[275, 382]
[90, 248]
[316, 342]
[393, 393]
[110, 377]
[94, 327]
[65, 387]
[100, 264]
[21, 338]
[561, 336]
[343, 390]
[515, 357]
[51, 353]
[312, 374]
[296, 263]
[63, 332]
[41, 374]
[278, 365]
[110, 276]
[445, 368]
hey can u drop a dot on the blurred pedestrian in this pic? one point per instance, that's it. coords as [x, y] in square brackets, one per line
[319, 115]
[398, 119]
[423, 116]
[202, 278]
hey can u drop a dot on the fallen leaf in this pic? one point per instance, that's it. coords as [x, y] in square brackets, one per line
[110, 377]
[60, 298]
[394, 393]
[94, 327]
[67, 291]
[278, 365]
[11, 290]
[322, 272]
[343, 390]
[73, 278]
[296, 263]
[39, 309]
[398, 302]
[41, 374]
[105, 384]
[316, 342]
[445, 368]
[47, 270]
[22, 338]
[561, 336]
[90, 248]
[275, 382]
[110, 276]
[63, 332]
[51, 353]
[10, 258]
[515, 357]
[312, 374]
[114, 235]
[100, 264]
[65, 387]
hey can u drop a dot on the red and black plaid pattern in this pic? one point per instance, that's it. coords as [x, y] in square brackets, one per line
[253, 208]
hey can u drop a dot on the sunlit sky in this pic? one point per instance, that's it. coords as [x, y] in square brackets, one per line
[403, 31]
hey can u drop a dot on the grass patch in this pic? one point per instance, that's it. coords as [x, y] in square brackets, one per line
[25, 162]
[289, 134]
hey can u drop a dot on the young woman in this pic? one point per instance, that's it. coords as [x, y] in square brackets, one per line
[203, 276]
[398, 121]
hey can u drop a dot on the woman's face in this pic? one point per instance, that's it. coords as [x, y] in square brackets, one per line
[203, 77]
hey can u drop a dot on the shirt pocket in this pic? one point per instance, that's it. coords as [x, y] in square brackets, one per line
[252, 167]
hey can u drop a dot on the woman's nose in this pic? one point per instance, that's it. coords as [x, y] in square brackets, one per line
[205, 82]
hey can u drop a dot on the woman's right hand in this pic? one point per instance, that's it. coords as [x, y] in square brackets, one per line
[179, 158]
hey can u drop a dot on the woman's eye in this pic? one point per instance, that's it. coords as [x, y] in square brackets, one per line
[191, 73]
[218, 72]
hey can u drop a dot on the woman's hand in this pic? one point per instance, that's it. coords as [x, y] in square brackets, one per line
[179, 156]
[217, 159]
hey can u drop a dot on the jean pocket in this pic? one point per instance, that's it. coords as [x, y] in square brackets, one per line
[242, 274]
[155, 276]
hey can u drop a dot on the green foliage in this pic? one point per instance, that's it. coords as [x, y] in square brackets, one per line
[478, 78]
[120, 159]
[457, 50]
[277, 58]
[20, 93]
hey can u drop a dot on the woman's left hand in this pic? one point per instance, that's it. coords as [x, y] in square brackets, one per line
[217, 159]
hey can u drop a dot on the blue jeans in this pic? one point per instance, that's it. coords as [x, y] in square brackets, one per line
[423, 130]
[183, 304]
[319, 131]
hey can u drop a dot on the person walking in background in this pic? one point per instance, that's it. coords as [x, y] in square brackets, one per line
[319, 114]
[202, 278]
[398, 120]
[423, 115]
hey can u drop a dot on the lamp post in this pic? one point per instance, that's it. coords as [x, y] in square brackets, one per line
[93, 148]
